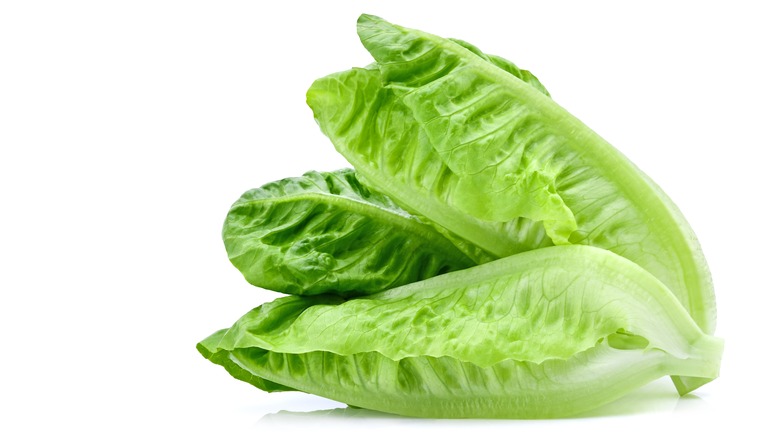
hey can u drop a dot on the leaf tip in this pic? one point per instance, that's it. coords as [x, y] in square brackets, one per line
[370, 26]
[368, 20]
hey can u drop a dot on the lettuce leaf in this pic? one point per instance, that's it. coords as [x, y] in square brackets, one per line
[453, 135]
[547, 333]
[326, 233]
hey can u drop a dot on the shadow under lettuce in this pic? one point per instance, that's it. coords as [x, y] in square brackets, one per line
[658, 396]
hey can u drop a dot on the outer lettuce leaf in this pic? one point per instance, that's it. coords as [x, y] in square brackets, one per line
[233, 365]
[482, 153]
[543, 334]
[326, 233]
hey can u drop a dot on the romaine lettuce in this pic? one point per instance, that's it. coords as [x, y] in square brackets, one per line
[589, 281]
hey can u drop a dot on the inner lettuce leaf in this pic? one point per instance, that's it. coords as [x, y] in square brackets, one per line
[455, 136]
[326, 233]
[392, 155]
[544, 334]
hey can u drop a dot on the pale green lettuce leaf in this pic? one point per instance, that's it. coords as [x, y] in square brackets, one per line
[392, 154]
[483, 153]
[547, 333]
[506, 65]
[326, 233]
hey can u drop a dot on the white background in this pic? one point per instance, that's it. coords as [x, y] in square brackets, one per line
[128, 128]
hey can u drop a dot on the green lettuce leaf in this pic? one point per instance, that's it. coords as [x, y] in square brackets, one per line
[455, 136]
[326, 233]
[392, 155]
[233, 365]
[547, 333]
